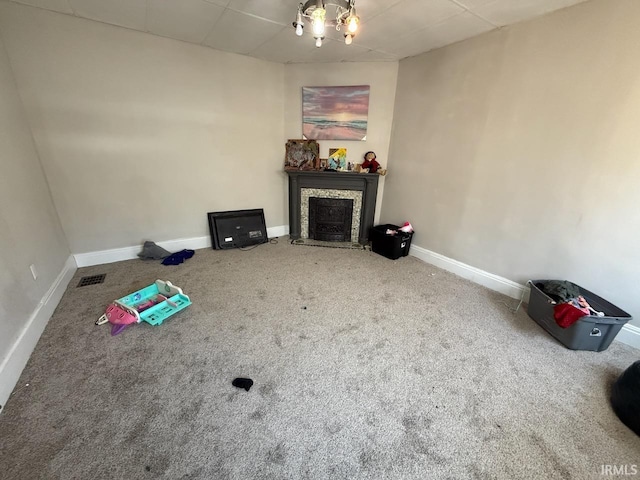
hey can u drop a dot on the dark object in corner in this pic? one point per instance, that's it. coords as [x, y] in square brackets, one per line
[245, 383]
[236, 229]
[625, 397]
[151, 251]
[390, 246]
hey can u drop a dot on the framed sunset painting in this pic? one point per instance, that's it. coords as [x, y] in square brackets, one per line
[335, 113]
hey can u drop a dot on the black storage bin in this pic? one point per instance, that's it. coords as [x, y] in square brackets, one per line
[390, 246]
[590, 332]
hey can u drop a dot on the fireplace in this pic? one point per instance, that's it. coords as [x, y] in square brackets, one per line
[330, 219]
[359, 189]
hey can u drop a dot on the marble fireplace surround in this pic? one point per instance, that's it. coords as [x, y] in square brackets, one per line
[362, 188]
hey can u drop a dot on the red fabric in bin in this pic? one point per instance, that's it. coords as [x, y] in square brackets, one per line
[566, 314]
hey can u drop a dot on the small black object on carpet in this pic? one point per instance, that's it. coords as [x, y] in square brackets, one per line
[245, 383]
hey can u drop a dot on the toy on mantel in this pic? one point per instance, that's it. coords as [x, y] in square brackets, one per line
[370, 165]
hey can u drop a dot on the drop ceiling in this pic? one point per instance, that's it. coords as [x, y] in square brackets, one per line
[389, 29]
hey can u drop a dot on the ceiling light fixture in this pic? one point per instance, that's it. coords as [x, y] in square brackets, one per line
[315, 12]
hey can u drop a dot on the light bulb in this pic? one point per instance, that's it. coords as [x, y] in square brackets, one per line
[318, 17]
[318, 27]
[299, 29]
[319, 42]
[348, 38]
[353, 24]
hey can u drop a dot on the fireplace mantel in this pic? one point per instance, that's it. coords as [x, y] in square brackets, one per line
[367, 183]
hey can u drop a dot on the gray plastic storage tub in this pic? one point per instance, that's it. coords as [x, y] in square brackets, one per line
[590, 332]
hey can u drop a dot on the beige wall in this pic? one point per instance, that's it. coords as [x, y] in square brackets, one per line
[140, 136]
[30, 232]
[381, 77]
[128, 124]
[518, 151]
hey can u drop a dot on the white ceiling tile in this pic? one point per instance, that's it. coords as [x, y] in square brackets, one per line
[471, 4]
[451, 30]
[376, 56]
[460, 27]
[347, 53]
[333, 51]
[220, 3]
[240, 33]
[126, 13]
[505, 12]
[285, 47]
[408, 46]
[371, 8]
[280, 11]
[189, 20]
[61, 6]
[409, 15]
[402, 18]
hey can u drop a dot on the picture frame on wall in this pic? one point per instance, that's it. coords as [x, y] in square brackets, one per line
[335, 113]
[302, 154]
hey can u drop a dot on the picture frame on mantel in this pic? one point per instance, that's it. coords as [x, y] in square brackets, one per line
[337, 159]
[302, 154]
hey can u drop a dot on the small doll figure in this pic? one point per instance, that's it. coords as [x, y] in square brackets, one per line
[370, 162]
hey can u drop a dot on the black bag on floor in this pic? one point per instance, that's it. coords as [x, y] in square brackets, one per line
[625, 397]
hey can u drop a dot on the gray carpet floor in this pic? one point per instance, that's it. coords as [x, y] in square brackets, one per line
[364, 368]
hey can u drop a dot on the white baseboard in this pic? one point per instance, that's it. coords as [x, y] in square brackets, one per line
[129, 253]
[15, 361]
[279, 231]
[629, 334]
[486, 279]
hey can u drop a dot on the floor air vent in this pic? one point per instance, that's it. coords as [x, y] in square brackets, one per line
[91, 280]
